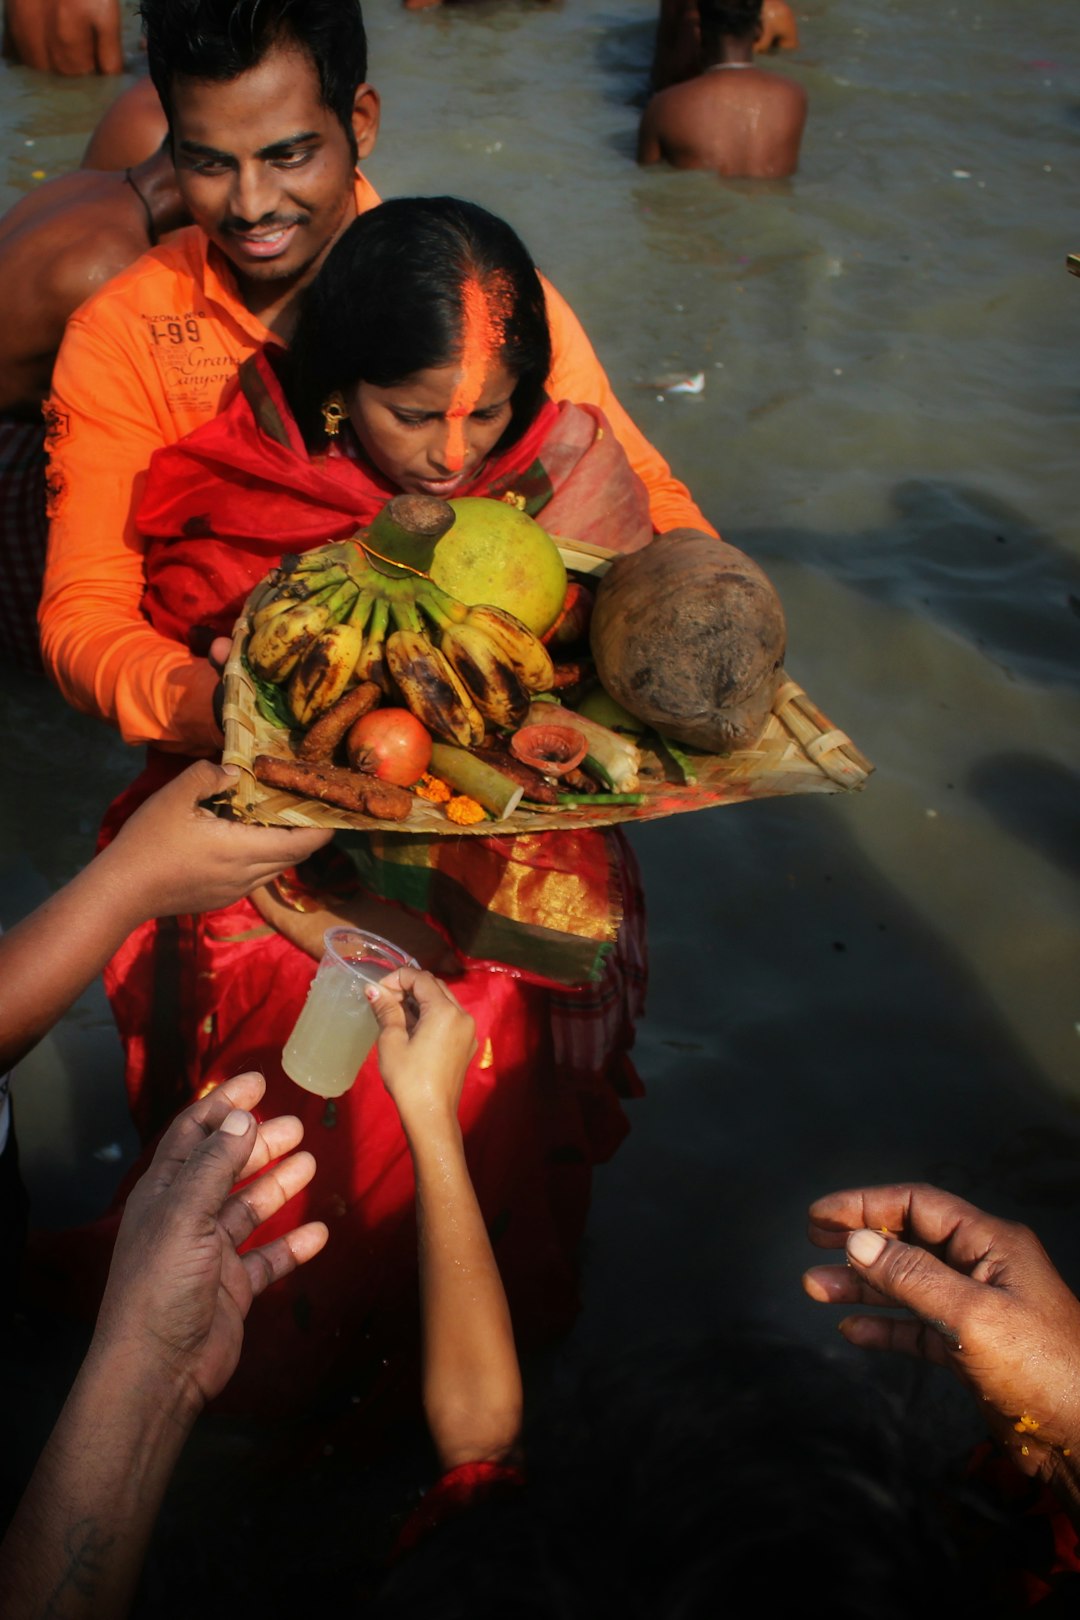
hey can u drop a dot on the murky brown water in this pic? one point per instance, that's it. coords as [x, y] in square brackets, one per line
[842, 990]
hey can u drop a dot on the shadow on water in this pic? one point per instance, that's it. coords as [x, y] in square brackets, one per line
[810, 1031]
[966, 559]
[624, 53]
[1036, 800]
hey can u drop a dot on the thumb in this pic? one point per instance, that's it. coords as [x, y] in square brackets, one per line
[218, 654]
[205, 777]
[388, 1007]
[909, 1276]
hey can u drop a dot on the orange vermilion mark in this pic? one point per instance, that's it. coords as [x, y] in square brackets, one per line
[484, 312]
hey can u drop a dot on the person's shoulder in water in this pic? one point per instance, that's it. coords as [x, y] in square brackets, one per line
[128, 130]
[65, 239]
[779, 30]
[735, 117]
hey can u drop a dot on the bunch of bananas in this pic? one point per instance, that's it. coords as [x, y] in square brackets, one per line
[332, 618]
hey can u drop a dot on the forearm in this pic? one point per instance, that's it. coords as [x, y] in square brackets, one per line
[104, 655]
[471, 1377]
[76, 1544]
[107, 661]
[48, 959]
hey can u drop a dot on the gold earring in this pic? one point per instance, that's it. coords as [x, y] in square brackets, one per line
[333, 414]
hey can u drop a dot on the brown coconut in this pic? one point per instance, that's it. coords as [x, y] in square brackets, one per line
[689, 635]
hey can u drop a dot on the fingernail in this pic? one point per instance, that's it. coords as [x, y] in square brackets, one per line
[866, 1247]
[236, 1123]
[231, 770]
[372, 992]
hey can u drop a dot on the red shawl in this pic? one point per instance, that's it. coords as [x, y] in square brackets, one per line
[222, 506]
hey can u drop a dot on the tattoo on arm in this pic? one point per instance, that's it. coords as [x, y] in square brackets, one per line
[87, 1548]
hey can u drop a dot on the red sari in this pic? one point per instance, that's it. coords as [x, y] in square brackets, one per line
[554, 980]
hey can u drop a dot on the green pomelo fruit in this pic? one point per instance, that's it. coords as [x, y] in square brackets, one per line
[497, 555]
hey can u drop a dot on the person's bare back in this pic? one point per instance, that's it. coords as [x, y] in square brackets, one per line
[58, 245]
[735, 117]
[747, 123]
[677, 53]
[128, 130]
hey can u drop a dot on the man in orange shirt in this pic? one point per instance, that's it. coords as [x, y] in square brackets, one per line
[265, 142]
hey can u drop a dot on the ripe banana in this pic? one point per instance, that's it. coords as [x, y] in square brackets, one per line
[271, 609]
[275, 648]
[487, 673]
[309, 631]
[371, 664]
[526, 655]
[294, 588]
[328, 665]
[441, 608]
[431, 688]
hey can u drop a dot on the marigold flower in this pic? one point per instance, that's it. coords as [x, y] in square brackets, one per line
[465, 811]
[433, 789]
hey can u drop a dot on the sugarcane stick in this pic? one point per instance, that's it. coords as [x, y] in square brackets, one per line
[467, 774]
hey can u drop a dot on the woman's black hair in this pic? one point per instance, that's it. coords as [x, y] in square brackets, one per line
[218, 40]
[388, 302]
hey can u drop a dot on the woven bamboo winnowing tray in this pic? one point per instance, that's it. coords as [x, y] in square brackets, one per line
[798, 751]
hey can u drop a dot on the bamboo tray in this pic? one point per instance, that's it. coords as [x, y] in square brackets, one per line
[798, 751]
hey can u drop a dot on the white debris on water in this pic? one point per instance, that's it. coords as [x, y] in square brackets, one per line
[688, 385]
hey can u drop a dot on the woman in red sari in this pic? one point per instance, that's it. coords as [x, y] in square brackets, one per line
[418, 364]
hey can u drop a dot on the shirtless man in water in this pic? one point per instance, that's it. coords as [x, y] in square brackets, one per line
[734, 117]
[677, 53]
[59, 244]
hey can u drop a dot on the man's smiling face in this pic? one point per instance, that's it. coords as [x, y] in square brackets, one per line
[266, 169]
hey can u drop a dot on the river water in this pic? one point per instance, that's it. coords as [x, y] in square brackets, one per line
[843, 989]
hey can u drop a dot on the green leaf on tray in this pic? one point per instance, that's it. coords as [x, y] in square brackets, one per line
[270, 700]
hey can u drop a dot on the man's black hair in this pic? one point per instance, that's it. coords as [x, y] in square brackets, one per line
[744, 1476]
[737, 18]
[219, 40]
[388, 302]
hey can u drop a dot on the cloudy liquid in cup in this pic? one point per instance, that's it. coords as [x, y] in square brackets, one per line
[333, 1035]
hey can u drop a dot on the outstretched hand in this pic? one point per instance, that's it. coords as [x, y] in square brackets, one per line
[984, 1300]
[422, 1066]
[167, 1340]
[178, 1292]
[174, 856]
[65, 36]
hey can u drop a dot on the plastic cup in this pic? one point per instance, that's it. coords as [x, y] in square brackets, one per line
[336, 1028]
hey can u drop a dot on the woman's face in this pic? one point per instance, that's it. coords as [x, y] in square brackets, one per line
[431, 433]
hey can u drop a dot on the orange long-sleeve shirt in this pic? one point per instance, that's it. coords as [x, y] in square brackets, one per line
[151, 357]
